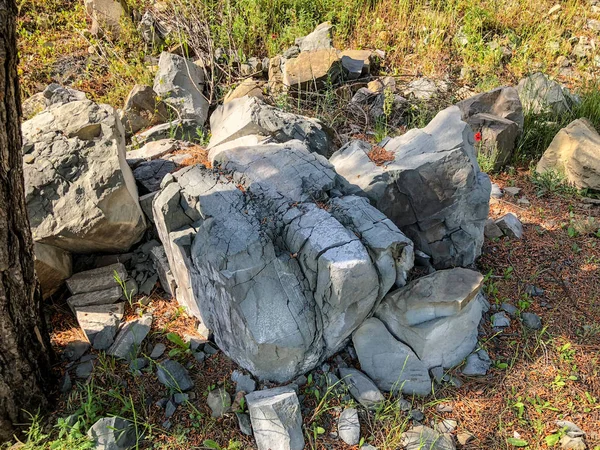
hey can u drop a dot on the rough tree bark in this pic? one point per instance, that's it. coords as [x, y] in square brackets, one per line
[25, 352]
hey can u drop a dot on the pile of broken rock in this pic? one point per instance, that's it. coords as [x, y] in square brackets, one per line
[284, 248]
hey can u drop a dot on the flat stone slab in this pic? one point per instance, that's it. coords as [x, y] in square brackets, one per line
[100, 323]
[97, 279]
[101, 297]
[174, 376]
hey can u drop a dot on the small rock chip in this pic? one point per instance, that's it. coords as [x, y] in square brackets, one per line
[510, 225]
[244, 423]
[113, 433]
[174, 376]
[75, 350]
[570, 443]
[361, 387]
[478, 363]
[512, 191]
[158, 350]
[219, 402]
[349, 426]
[84, 369]
[464, 437]
[180, 398]
[531, 320]
[417, 415]
[446, 426]
[243, 382]
[170, 409]
[511, 310]
[500, 320]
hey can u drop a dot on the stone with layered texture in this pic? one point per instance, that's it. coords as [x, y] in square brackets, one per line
[251, 116]
[180, 84]
[436, 315]
[81, 195]
[312, 70]
[280, 272]
[575, 153]
[53, 266]
[432, 190]
[100, 323]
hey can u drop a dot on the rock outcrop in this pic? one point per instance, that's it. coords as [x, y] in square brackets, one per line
[431, 187]
[575, 153]
[279, 265]
[81, 195]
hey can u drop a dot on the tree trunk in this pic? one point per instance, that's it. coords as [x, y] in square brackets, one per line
[25, 352]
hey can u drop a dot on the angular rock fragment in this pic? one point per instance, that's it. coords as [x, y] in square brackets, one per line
[219, 402]
[276, 419]
[180, 82]
[491, 230]
[575, 153]
[391, 364]
[436, 315]
[510, 225]
[541, 95]
[361, 387]
[101, 297]
[81, 195]
[113, 433]
[349, 426]
[100, 323]
[478, 363]
[432, 188]
[142, 110]
[251, 116]
[281, 274]
[356, 63]
[106, 15]
[319, 39]
[174, 376]
[312, 70]
[421, 437]
[130, 337]
[247, 88]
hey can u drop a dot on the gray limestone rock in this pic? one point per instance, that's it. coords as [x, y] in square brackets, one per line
[75, 350]
[180, 84]
[531, 320]
[97, 279]
[55, 94]
[81, 195]
[391, 364]
[436, 315]
[243, 383]
[421, 437]
[491, 230]
[501, 102]
[320, 38]
[244, 423]
[158, 350]
[361, 387]
[128, 341]
[100, 297]
[113, 433]
[276, 419]
[500, 320]
[174, 376]
[432, 190]
[142, 110]
[280, 271]
[510, 225]
[251, 116]
[539, 94]
[349, 426]
[219, 402]
[477, 364]
[100, 323]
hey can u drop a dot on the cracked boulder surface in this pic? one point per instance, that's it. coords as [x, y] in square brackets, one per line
[81, 194]
[432, 190]
[273, 258]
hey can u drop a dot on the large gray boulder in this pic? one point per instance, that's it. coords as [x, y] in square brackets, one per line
[436, 316]
[432, 189]
[575, 153]
[498, 116]
[280, 271]
[539, 94]
[80, 192]
[248, 116]
[276, 419]
[180, 84]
